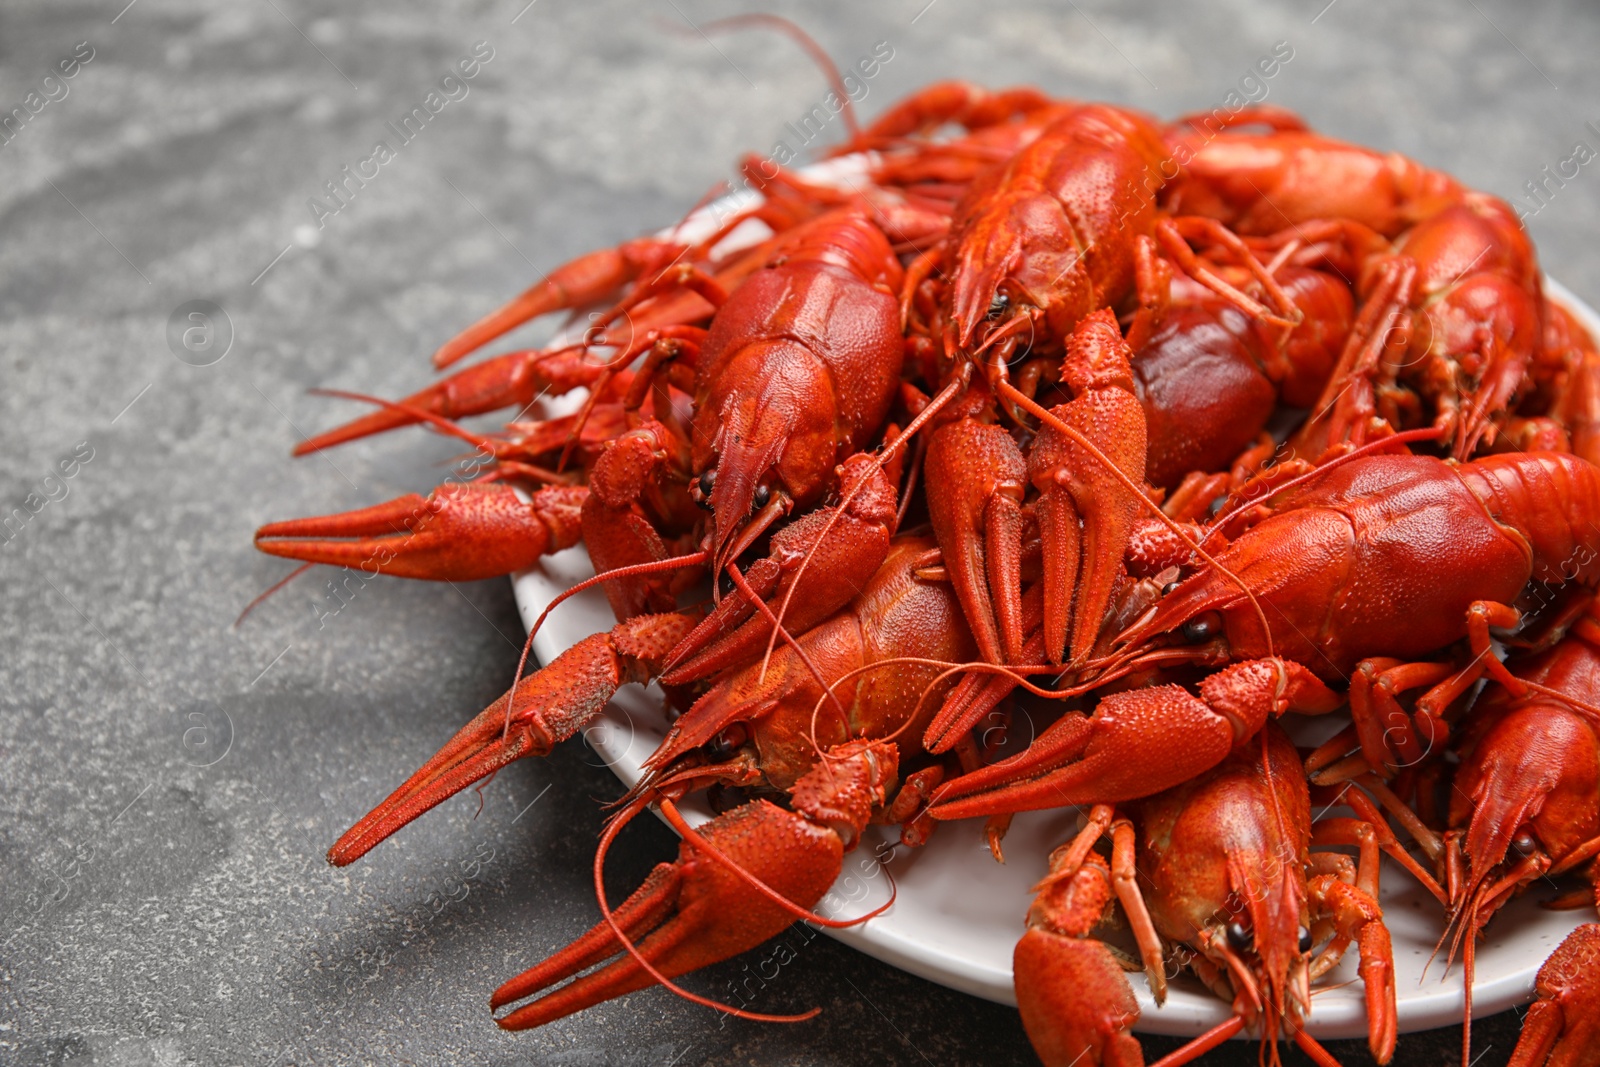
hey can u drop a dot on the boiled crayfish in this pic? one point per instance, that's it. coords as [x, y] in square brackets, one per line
[1170, 428]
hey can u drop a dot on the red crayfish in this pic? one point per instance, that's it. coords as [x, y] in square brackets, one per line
[1162, 430]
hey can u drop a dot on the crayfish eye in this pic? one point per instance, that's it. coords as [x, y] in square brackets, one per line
[1524, 843]
[1167, 589]
[727, 742]
[1239, 938]
[708, 482]
[998, 305]
[1305, 940]
[723, 797]
[1202, 627]
[763, 495]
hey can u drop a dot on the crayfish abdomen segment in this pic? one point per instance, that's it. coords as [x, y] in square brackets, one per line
[1551, 500]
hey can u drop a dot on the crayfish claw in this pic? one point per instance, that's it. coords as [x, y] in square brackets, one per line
[975, 482]
[461, 532]
[1075, 1001]
[533, 717]
[1086, 512]
[1136, 743]
[688, 914]
[512, 380]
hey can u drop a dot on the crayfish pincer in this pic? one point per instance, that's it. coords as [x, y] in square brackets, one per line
[797, 371]
[739, 880]
[976, 478]
[461, 532]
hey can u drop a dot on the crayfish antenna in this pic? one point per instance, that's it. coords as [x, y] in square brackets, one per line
[273, 588]
[1469, 962]
[818, 54]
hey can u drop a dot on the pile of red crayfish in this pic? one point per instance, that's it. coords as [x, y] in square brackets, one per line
[1171, 428]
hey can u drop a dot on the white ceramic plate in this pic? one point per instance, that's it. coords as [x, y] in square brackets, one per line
[959, 913]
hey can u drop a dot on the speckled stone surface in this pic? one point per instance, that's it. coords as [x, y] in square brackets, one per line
[170, 782]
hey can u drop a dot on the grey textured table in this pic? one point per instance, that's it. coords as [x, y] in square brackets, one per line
[171, 783]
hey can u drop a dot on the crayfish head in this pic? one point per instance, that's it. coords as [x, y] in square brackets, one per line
[1227, 857]
[1193, 622]
[1528, 792]
[716, 730]
[777, 440]
[987, 301]
[727, 760]
[1265, 946]
[1265, 941]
